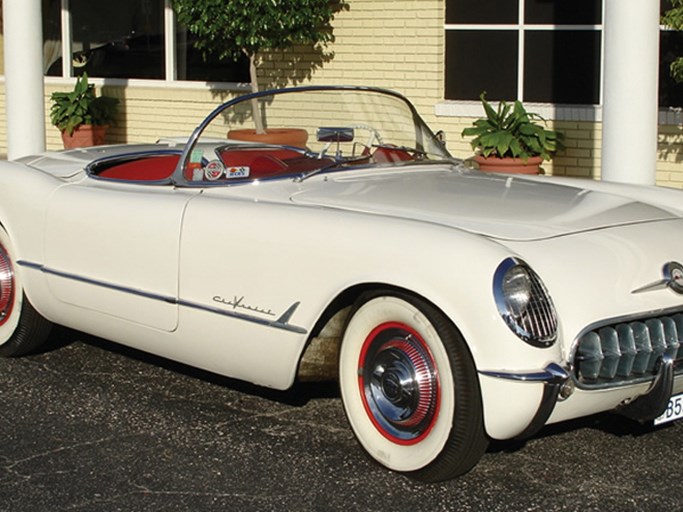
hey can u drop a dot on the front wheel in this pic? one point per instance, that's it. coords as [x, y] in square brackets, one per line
[22, 328]
[410, 390]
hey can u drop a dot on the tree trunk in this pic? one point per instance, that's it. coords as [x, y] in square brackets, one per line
[255, 110]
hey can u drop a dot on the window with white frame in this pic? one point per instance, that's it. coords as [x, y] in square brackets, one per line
[131, 39]
[542, 51]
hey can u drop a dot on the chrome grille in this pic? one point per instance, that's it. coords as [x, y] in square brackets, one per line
[626, 352]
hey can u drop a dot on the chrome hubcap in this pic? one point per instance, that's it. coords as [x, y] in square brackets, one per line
[6, 285]
[399, 383]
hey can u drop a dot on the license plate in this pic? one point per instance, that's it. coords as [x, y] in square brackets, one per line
[673, 411]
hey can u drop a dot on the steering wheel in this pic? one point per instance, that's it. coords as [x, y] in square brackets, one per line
[374, 135]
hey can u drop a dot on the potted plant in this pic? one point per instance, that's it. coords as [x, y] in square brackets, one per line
[81, 116]
[248, 27]
[509, 139]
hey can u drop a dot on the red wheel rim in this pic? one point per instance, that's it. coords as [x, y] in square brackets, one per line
[6, 286]
[399, 383]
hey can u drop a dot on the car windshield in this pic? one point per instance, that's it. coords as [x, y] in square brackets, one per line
[306, 131]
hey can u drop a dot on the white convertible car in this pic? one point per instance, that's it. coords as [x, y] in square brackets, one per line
[454, 306]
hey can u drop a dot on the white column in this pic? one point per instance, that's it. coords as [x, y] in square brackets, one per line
[630, 81]
[24, 90]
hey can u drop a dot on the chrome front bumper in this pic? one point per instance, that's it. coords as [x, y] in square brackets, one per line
[553, 378]
[558, 384]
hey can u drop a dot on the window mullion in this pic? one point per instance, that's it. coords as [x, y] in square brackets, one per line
[67, 39]
[520, 52]
[170, 61]
[602, 56]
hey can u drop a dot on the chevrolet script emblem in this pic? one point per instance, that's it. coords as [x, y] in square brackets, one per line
[672, 278]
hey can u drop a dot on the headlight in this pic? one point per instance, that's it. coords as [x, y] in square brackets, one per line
[524, 303]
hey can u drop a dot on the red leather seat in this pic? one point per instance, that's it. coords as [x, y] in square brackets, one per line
[152, 168]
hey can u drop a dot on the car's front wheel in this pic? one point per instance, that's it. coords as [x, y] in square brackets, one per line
[410, 389]
[22, 328]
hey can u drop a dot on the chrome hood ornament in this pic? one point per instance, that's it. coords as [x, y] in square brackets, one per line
[672, 277]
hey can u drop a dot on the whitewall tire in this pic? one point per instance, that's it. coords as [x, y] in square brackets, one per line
[410, 389]
[22, 328]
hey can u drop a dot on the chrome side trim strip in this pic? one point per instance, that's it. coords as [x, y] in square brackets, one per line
[95, 282]
[280, 323]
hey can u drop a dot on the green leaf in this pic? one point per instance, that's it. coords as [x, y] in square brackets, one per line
[509, 130]
[81, 106]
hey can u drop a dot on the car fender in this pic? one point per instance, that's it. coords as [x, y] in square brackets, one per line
[450, 268]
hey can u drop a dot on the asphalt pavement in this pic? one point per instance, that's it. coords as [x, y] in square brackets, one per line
[87, 425]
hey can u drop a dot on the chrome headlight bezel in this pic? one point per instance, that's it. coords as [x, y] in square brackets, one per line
[524, 303]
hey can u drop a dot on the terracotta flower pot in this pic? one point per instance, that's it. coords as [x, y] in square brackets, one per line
[282, 136]
[532, 165]
[85, 135]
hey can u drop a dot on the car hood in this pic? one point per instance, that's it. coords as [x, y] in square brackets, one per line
[498, 206]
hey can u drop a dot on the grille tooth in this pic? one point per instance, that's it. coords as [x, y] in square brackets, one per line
[643, 347]
[627, 345]
[610, 348]
[590, 357]
[678, 320]
[671, 336]
[656, 330]
[624, 352]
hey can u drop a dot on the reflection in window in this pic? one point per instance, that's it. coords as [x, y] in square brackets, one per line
[52, 37]
[126, 39]
[122, 39]
[191, 65]
[670, 48]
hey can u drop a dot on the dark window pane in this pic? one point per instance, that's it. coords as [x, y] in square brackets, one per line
[482, 11]
[562, 67]
[479, 61]
[563, 12]
[122, 39]
[191, 65]
[671, 47]
[52, 37]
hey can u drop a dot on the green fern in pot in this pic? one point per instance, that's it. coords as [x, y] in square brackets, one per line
[509, 131]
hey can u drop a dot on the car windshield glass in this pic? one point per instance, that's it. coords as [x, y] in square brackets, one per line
[306, 131]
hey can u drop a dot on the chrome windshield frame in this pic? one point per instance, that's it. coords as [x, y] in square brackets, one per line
[178, 178]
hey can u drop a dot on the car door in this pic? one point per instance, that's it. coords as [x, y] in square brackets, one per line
[113, 248]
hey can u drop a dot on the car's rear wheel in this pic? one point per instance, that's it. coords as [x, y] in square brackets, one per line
[22, 328]
[410, 389]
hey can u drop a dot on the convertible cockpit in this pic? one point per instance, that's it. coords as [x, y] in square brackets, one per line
[324, 131]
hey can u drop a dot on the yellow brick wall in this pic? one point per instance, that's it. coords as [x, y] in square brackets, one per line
[581, 155]
[147, 113]
[670, 156]
[398, 44]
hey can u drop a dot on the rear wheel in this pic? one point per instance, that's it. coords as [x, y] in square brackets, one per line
[22, 328]
[410, 390]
